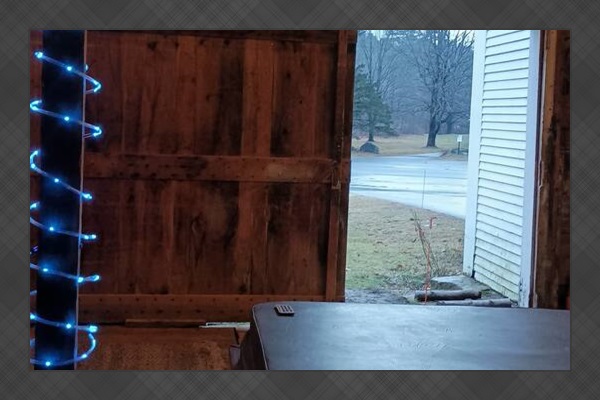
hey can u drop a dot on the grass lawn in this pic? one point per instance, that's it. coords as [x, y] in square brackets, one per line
[384, 251]
[411, 144]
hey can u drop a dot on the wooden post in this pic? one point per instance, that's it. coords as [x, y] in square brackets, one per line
[60, 156]
[336, 184]
[552, 251]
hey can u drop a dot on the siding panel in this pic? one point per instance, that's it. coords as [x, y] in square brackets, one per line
[506, 76]
[514, 83]
[505, 197]
[506, 37]
[494, 212]
[518, 102]
[500, 58]
[499, 266]
[502, 116]
[492, 202]
[502, 169]
[507, 65]
[491, 158]
[499, 233]
[514, 143]
[495, 221]
[485, 237]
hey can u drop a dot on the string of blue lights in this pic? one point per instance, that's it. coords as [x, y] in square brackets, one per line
[88, 131]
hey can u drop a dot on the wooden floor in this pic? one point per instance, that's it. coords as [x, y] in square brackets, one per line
[124, 348]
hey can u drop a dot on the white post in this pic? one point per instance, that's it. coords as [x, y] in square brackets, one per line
[474, 147]
[529, 190]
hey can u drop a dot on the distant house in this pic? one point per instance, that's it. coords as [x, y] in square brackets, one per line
[502, 155]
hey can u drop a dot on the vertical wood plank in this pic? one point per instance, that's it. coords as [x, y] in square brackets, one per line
[219, 98]
[107, 62]
[345, 170]
[102, 257]
[295, 213]
[297, 121]
[186, 95]
[206, 216]
[251, 246]
[552, 252]
[336, 187]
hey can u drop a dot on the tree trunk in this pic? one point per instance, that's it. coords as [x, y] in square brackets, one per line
[371, 137]
[449, 125]
[434, 127]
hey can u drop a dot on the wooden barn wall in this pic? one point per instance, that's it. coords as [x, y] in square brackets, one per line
[222, 177]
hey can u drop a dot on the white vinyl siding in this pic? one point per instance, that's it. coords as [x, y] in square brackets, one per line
[502, 147]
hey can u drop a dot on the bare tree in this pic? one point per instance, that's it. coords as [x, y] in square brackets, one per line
[444, 62]
[378, 58]
[375, 71]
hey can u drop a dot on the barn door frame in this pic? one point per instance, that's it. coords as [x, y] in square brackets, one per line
[551, 274]
[531, 162]
[340, 174]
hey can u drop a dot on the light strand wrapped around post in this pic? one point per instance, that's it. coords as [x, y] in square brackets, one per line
[65, 123]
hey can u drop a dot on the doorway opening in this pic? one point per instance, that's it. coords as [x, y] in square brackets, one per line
[440, 117]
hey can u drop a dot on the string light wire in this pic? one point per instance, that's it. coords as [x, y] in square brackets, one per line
[88, 131]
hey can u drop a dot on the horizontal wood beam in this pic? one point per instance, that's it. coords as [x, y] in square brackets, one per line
[211, 168]
[115, 308]
[318, 36]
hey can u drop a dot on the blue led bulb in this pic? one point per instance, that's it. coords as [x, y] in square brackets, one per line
[38, 54]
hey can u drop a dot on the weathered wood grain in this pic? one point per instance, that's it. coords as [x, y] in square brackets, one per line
[210, 168]
[337, 153]
[308, 36]
[117, 308]
[218, 171]
[552, 250]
